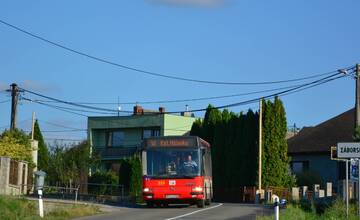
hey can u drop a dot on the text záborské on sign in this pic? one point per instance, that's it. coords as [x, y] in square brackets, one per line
[348, 150]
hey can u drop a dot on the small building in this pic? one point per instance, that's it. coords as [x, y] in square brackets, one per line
[118, 137]
[13, 176]
[310, 148]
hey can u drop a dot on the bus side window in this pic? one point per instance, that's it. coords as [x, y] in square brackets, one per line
[204, 161]
[208, 163]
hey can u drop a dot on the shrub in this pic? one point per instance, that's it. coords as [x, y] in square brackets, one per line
[308, 178]
[322, 204]
[338, 211]
[136, 179]
[306, 205]
[125, 173]
[101, 177]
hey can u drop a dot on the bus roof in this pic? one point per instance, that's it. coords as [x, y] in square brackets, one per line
[175, 141]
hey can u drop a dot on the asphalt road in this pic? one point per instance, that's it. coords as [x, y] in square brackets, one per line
[229, 211]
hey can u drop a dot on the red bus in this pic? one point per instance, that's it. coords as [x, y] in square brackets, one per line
[176, 170]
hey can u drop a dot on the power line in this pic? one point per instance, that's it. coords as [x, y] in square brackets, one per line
[74, 130]
[5, 101]
[64, 139]
[83, 104]
[311, 86]
[19, 122]
[56, 107]
[293, 90]
[152, 73]
[286, 92]
[74, 104]
[61, 131]
[281, 93]
[58, 125]
[67, 108]
[180, 100]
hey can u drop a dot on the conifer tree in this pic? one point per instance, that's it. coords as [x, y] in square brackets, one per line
[197, 128]
[43, 153]
[233, 139]
[275, 160]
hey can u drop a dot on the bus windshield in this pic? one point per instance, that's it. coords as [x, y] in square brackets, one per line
[173, 162]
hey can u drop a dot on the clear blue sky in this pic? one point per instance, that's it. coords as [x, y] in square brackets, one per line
[203, 39]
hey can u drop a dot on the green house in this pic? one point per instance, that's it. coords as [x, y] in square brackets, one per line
[118, 137]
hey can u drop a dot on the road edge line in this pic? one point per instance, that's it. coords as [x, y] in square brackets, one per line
[191, 213]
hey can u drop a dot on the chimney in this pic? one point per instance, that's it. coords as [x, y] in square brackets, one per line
[186, 113]
[138, 110]
[162, 110]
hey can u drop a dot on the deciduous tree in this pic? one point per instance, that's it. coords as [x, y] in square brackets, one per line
[16, 145]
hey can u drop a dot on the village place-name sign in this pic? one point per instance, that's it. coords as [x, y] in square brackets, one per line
[348, 150]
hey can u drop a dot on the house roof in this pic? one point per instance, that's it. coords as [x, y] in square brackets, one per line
[320, 138]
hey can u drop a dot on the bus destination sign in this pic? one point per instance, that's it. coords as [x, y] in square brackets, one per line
[170, 143]
[348, 150]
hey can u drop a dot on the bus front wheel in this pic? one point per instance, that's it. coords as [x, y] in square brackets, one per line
[200, 203]
[149, 204]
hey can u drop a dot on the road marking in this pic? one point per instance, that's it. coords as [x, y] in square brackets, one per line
[191, 213]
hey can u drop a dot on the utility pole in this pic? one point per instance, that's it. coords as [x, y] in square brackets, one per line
[260, 143]
[357, 123]
[357, 96]
[14, 100]
[259, 191]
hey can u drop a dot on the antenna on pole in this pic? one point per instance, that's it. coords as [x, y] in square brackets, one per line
[118, 106]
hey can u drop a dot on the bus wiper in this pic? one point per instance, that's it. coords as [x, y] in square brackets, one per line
[161, 176]
[167, 176]
[186, 176]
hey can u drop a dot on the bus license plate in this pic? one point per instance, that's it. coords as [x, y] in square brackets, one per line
[172, 196]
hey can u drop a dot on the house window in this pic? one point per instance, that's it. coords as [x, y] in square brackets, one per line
[299, 166]
[151, 133]
[115, 138]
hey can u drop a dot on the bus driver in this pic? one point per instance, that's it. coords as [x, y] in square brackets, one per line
[189, 165]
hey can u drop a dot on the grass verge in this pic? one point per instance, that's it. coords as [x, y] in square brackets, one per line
[297, 211]
[22, 209]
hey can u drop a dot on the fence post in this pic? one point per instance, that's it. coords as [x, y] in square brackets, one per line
[41, 204]
[276, 208]
[76, 194]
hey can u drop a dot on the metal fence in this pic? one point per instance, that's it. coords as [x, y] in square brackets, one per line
[92, 192]
[281, 192]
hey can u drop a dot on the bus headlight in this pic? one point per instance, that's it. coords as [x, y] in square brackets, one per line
[197, 190]
[145, 190]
